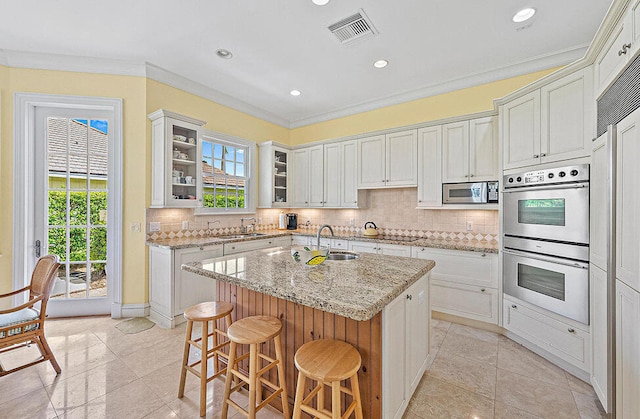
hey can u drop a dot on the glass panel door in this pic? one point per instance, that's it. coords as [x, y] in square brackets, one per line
[76, 226]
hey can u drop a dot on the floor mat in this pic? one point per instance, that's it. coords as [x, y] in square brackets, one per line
[135, 325]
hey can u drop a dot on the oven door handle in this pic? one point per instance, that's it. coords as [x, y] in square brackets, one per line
[546, 258]
[547, 188]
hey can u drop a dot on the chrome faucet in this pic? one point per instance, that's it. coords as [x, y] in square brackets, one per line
[243, 228]
[320, 230]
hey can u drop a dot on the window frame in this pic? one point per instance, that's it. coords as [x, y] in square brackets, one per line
[250, 172]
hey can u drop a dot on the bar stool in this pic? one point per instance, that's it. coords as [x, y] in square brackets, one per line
[328, 362]
[204, 313]
[254, 331]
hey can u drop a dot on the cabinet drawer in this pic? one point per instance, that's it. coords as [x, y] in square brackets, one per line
[472, 268]
[468, 301]
[394, 250]
[231, 248]
[301, 240]
[562, 339]
[339, 244]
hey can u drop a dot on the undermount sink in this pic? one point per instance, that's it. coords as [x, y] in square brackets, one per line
[240, 235]
[343, 256]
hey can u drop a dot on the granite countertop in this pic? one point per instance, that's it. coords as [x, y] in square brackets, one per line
[439, 243]
[357, 289]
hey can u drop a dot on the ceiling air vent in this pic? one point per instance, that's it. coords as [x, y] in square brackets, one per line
[352, 28]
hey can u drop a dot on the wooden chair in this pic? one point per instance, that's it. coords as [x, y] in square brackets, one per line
[24, 324]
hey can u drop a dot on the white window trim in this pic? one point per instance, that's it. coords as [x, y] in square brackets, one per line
[250, 169]
[23, 183]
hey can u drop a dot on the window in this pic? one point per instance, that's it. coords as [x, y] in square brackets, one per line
[226, 165]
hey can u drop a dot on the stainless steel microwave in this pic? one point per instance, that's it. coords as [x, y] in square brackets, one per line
[470, 193]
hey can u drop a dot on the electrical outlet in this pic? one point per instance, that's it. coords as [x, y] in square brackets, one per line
[352, 222]
[154, 226]
[469, 225]
[135, 227]
[185, 225]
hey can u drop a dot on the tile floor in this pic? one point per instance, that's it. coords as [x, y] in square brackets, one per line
[109, 374]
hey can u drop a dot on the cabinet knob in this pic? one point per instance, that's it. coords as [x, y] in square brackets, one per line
[306, 202]
[409, 297]
[470, 175]
[387, 180]
[233, 247]
[543, 154]
[484, 255]
[355, 202]
[624, 49]
[535, 156]
[419, 200]
[482, 289]
[201, 248]
[514, 306]
[571, 330]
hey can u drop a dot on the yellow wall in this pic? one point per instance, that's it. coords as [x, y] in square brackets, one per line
[135, 191]
[447, 105]
[142, 96]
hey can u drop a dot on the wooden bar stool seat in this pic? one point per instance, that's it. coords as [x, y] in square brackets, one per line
[254, 331]
[328, 362]
[210, 311]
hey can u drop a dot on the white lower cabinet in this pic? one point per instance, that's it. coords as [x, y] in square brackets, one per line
[246, 246]
[172, 290]
[380, 248]
[463, 283]
[406, 325]
[627, 351]
[563, 338]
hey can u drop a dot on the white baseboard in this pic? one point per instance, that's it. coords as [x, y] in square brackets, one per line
[129, 310]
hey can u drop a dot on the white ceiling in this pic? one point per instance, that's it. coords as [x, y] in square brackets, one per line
[279, 45]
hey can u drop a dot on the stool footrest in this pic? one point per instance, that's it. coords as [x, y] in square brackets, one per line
[268, 399]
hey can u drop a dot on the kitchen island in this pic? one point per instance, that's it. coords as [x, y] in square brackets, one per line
[377, 303]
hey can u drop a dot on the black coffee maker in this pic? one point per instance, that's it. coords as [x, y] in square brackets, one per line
[292, 221]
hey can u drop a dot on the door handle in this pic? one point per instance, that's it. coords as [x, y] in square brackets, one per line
[38, 248]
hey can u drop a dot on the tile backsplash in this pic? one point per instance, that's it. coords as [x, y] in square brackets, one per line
[392, 210]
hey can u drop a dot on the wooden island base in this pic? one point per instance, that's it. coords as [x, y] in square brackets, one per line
[303, 324]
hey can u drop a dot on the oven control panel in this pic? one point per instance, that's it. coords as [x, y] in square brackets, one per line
[567, 174]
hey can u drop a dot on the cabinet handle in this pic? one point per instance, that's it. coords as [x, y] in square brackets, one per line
[201, 248]
[482, 289]
[484, 255]
[470, 175]
[624, 49]
[514, 306]
[535, 156]
[409, 297]
[543, 154]
[571, 330]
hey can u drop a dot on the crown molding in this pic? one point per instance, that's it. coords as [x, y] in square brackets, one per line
[40, 61]
[539, 63]
[175, 80]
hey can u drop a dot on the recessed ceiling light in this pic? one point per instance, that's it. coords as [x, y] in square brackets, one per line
[320, 2]
[295, 93]
[524, 14]
[223, 53]
[381, 64]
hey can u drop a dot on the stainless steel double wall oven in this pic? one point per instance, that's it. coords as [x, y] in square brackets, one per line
[546, 239]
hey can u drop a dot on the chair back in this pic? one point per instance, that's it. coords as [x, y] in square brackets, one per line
[43, 276]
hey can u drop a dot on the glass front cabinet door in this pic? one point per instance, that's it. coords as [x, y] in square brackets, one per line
[175, 150]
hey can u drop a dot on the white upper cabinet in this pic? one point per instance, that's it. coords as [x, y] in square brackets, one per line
[470, 151]
[628, 201]
[455, 152]
[430, 167]
[388, 160]
[620, 46]
[483, 149]
[300, 178]
[521, 131]
[402, 158]
[275, 171]
[371, 162]
[175, 142]
[551, 124]
[567, 117]
[316, 184]
[332, 175]
[350, 197]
